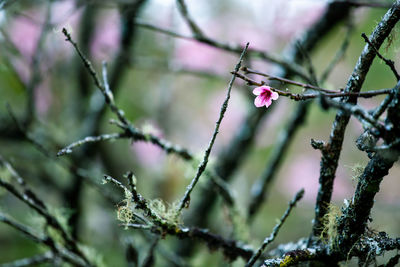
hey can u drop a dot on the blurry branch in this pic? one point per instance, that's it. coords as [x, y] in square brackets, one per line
[27, 231]
[32, 261]
[23, 131]
[73, 258]
[388, 62]
[90, 139]
[173, 67]
[235, 216]
[129, 13]
[131, 255]
[150, 258]
[157, 224]
[378, 4]
[184, 202]
[80, 173]
[307, 96]
[36, 204]
[172, 257]
[185, 14]
[259, 190]
[331, 153]
[308, 63]
[35, 77]
[275, 231]
[86, 32]
[340, 53]
[292, 67]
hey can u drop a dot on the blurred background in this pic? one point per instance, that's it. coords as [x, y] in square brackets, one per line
[172, 88]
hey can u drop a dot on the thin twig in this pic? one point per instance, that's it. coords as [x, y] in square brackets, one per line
[284, 80]
[388, 62]
[184, 202]
[306, 96]
[91, 139]
[275, 231]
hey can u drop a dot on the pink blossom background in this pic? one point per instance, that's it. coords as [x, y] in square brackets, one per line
[183, 108]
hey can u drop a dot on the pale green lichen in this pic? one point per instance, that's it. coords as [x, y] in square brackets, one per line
[357, 170]
[168, 212]
[125, 214]
[329, 234]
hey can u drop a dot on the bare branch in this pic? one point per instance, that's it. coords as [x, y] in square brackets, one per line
[330, 155]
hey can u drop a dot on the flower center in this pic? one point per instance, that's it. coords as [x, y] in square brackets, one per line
[266, 94]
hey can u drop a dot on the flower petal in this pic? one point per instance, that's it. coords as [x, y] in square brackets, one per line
[274, 95]
[268, 102]
[259, 90]
[259, 101]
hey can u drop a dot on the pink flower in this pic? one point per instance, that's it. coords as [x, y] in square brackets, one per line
[264, 96]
